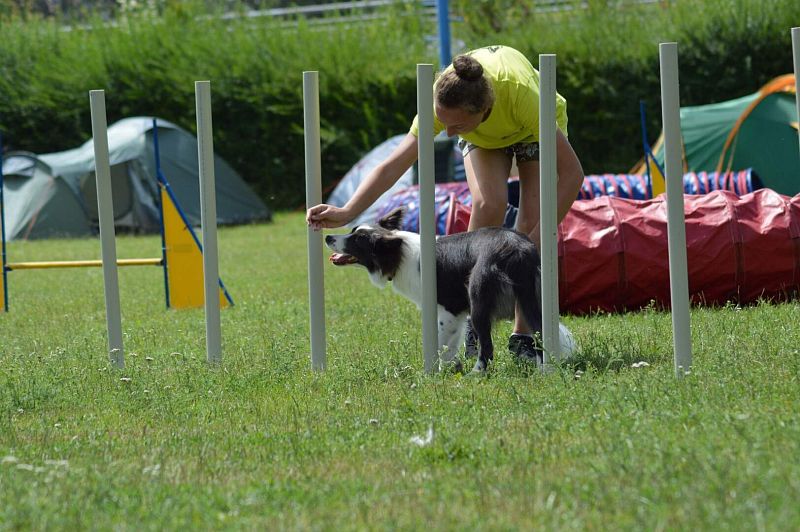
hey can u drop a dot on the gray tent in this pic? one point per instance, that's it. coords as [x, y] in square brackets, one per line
[55, 194]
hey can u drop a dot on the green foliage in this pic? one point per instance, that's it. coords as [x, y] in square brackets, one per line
[147, 67]
[261, 442]
[608, 59]
[148, 59]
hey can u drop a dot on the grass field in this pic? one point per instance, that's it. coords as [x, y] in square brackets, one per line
[263, 443]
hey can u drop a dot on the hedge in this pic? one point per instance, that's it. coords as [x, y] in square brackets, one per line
[607, 63]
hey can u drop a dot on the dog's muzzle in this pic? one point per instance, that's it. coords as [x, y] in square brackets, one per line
[338, 258]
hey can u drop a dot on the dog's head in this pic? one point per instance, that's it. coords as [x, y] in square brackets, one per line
[377, 248]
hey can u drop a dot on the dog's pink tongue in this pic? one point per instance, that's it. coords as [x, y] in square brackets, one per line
[340, 259]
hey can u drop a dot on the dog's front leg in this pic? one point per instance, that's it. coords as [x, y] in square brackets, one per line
[450, 332]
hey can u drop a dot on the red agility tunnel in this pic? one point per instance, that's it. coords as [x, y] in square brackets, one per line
[613, 252]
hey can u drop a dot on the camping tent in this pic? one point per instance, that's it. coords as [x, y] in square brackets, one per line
[758, 131]
[55, 194]
[448, 166]
[37, 204]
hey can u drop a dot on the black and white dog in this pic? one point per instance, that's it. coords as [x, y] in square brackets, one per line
[480, 274]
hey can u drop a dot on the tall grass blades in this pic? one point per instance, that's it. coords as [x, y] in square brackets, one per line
[610, 441]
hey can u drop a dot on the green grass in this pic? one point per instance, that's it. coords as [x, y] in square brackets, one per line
[261, 442]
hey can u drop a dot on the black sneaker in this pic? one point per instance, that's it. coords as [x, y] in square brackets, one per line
[470, 341]
[524, 349]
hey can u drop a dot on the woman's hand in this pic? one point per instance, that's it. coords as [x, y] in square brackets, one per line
[324, 216]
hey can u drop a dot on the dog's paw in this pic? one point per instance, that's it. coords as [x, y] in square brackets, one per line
[479, 369]
[454, 366]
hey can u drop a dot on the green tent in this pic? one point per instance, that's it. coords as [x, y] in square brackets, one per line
[758, 131]
[38, 204]
[55, 194]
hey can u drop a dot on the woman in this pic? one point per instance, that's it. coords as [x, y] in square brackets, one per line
[489, 98]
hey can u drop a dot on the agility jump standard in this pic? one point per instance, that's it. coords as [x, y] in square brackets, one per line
[182, 258]
[181, 251]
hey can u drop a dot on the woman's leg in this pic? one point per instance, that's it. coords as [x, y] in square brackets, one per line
[570, 178]
[528, 215]
[487, 177]
[527, 218]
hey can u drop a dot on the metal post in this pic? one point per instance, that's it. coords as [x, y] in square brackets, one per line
[3, 271]
[316, 279]
[208, 220]
[676, 225]
[548, 220]
[105, 210]
[427, 217]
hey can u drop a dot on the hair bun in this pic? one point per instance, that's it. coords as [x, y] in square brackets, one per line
[467, 68]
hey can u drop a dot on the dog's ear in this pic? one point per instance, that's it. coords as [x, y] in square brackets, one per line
[392, 221]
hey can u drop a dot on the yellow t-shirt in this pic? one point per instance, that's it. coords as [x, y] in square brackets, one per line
[515, 113]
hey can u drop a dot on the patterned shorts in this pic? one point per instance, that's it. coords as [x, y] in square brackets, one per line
[523, 151]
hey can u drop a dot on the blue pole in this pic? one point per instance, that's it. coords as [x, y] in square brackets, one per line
[162, 180]
[3, 229]
[646, 148]
[443, 16]
[159, 179]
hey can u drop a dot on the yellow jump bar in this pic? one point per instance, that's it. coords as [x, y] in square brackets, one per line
[80, 264]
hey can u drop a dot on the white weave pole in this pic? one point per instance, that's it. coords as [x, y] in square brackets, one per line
[796, 56]
[548, 208]
[316, 280]
[105, 210]
[676, 224]
[427, 217]
[208, 220]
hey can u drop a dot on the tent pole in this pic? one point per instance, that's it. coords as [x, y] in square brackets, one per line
[159, 185]
[646, 148]
[3, 229]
